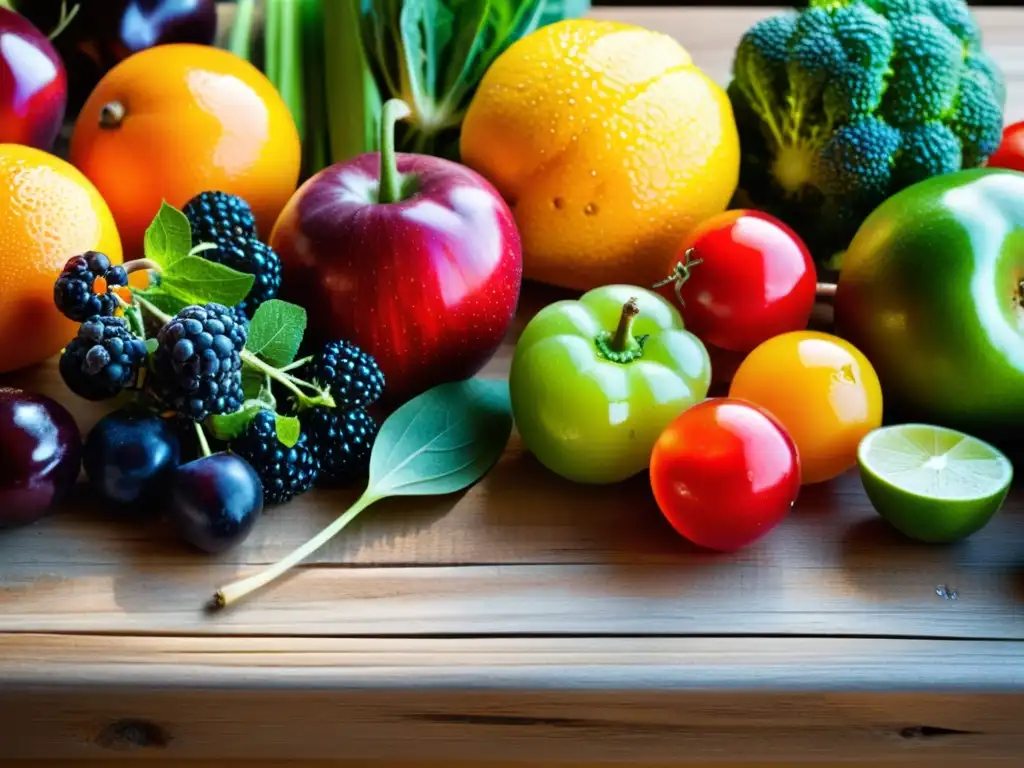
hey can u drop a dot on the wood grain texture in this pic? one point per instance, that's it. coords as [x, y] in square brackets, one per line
[528, 619]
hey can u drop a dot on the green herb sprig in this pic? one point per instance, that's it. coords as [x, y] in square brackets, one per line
[440, 442]
[180, 277]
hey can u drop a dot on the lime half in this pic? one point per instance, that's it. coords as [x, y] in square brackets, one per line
[933, 484]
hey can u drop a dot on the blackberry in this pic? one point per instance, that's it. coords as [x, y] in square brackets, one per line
[352, 375]
[74, 292]
[197, 367]
[285, 472]
[103, 359]
[342, 442]
[216, 214]
[249, 255]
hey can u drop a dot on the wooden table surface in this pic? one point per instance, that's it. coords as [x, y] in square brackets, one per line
[527, 619]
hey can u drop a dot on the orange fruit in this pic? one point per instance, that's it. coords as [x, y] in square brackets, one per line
[608, 143]
[49, 212]
[176, 120]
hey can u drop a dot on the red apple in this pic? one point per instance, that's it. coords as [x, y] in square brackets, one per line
[413, 258]
[33, 84]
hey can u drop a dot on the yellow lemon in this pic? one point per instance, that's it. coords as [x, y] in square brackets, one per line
[608, 143]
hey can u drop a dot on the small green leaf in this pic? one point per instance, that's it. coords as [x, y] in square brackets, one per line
[288, 430]
[164, 301]
[198, 281]
[252, 382]
[228, 426]
[151, 345]
[442, 441]
[275, 332]
[168, 238]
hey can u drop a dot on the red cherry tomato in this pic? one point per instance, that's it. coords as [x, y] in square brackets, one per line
[1010, 153]
[742, 277]
[724, 473]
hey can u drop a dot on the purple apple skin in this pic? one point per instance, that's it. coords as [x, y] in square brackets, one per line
[33, 84]
[428, 285]
[40, 456]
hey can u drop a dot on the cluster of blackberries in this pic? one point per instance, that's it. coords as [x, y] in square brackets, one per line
[334, 444]
[227, 222]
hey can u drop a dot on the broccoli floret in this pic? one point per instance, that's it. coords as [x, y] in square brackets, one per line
[845, 103]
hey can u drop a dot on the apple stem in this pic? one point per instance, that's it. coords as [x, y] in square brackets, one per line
[112, 114]
[390, 179]
[680, 274]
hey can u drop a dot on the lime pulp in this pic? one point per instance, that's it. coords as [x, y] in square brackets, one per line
[932, 483]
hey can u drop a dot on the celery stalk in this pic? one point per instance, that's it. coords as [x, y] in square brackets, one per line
[315, 150]
[353, 99]
[272, 41]
[240, 39]
[290, 62]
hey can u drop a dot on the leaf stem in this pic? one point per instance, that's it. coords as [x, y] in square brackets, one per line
[137, 265]
[390, 179]
[323, 397]
[204, 445]
[240, 40]
[66, 17]
[159, 314]
[296, 364]
[225, 596]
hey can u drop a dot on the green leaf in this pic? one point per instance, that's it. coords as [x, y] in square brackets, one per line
[252, 382]
[288, 430]
[442, 441]
[151, 345]
[228, 426]
[276, 331]
[168, 238]
[198, 281]
[164, 301]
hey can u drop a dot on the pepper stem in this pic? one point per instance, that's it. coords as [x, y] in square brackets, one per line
[390, 179]
[623, 339]
[622, 346]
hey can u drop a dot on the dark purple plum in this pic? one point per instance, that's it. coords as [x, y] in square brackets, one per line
[40, 456]
[33, 84]
[105, 32]
[215, 501]
[130, 456]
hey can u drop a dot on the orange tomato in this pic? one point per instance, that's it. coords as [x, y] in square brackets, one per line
[176, 120]
[823, 391]
[49, 212]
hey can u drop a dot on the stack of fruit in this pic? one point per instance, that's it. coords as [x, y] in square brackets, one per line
[594, 156]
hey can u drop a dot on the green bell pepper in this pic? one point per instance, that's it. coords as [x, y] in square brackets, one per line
[931, 292]
[595, 381]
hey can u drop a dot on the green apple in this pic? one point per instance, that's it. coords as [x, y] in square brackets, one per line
[930, 291]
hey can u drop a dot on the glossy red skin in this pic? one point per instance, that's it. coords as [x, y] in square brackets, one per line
[725, 473]
[428, 285]
[40, 456]
[1010, 153]
[33, 84]
[756, 280]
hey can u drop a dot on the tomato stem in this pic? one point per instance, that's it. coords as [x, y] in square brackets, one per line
[680, 274]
